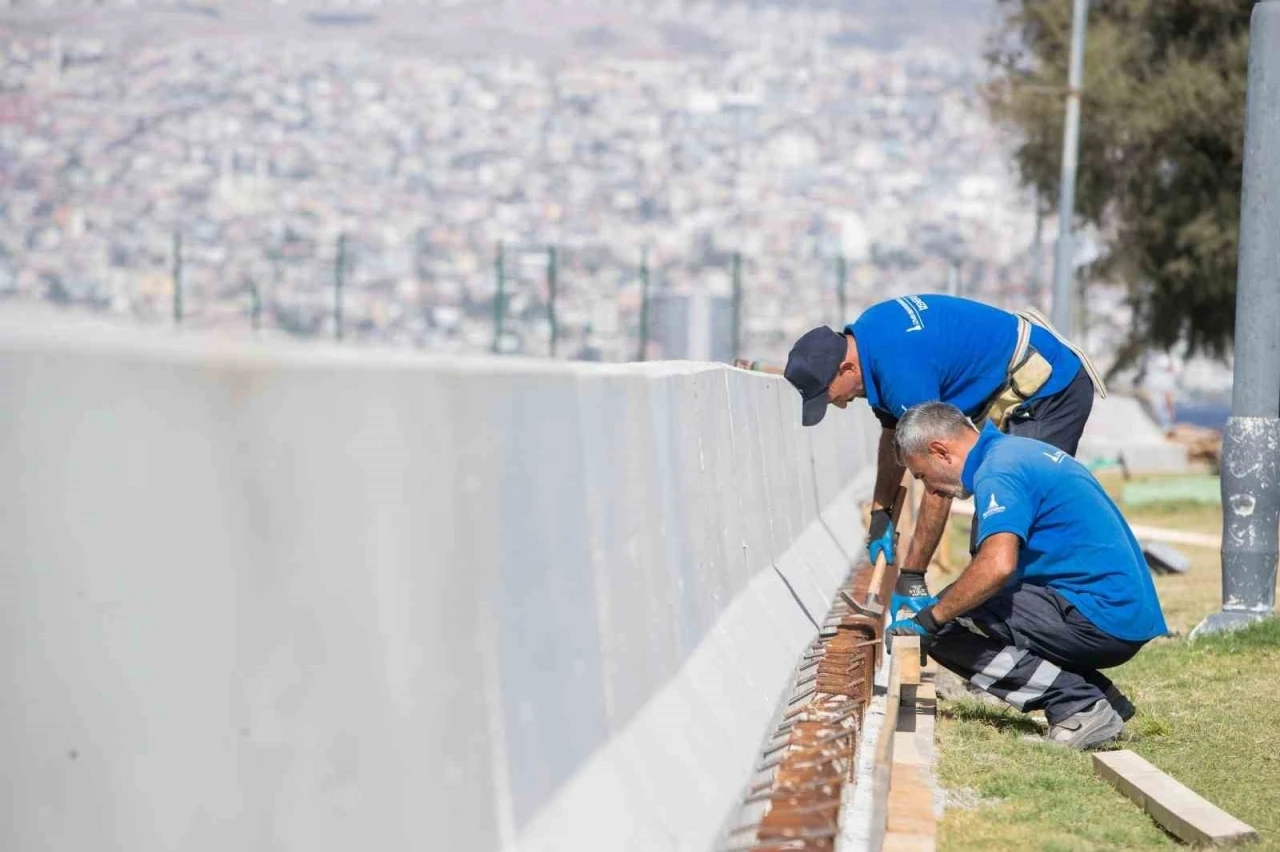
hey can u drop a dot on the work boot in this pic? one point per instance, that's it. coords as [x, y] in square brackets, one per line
[1120, 703]
[1087, 729]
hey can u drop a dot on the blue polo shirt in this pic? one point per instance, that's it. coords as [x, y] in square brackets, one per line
[1074, 539]
[920, 348]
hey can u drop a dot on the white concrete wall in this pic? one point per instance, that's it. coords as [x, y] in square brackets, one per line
[308, 599]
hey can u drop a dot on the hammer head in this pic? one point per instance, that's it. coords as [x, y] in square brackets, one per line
[872, 607]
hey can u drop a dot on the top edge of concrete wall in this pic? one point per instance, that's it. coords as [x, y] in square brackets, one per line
[38, 330]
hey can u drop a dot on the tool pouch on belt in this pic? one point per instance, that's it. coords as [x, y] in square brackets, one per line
[1029, 370]
[1026, 376]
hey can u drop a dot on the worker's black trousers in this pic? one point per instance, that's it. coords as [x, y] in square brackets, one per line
[1031, 647]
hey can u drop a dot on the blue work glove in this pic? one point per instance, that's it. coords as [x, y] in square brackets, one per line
[880, 538]
[922, 624]
[910, 593]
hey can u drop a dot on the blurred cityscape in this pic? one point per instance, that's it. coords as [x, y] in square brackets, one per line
[794, 134]
[236, 145]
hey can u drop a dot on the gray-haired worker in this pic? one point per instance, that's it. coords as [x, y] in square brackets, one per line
[1058, 589]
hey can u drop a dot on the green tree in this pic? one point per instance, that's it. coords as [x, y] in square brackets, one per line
[1161, 146]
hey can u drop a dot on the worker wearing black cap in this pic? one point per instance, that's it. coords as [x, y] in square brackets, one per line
[1013, 370]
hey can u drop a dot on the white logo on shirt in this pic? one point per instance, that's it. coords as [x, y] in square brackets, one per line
[1057, 457]
[993, 508]
[913, 307]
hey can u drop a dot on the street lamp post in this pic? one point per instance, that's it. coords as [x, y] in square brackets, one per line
[1063, 266]
[1251, 440]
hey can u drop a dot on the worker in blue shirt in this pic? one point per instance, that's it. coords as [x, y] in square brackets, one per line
[1013, 370]
[1059, 587]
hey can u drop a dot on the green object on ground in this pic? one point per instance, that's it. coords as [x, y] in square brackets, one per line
[1202, 490]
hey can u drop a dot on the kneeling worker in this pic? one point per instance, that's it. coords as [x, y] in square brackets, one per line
[1058, 589]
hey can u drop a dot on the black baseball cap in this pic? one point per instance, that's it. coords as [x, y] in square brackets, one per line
[812, 364]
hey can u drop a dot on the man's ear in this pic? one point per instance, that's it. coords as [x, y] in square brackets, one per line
[940, 449]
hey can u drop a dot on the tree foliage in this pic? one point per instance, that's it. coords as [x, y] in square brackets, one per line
[1161, 145]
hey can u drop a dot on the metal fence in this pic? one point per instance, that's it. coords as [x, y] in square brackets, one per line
[594, 301]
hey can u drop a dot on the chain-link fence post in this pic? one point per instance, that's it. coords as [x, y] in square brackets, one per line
[177, 278]
[552, 273]
[737, 306]
[842, 301]
[644, 304]
[255, 305]
[339, 280]
[499, 296]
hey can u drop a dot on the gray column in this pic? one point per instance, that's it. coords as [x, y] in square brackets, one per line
[1251, 443]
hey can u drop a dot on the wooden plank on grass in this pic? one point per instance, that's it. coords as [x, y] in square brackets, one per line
[1179, 809]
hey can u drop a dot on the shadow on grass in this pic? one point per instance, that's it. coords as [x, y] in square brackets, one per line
[995, 717]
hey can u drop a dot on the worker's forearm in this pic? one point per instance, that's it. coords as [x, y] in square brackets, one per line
[985, 576]
[932, 520]
[888, 473]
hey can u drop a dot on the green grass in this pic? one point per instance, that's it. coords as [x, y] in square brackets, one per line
[1208, 714]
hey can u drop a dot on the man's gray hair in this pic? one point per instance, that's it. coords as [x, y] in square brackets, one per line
[927, 422]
